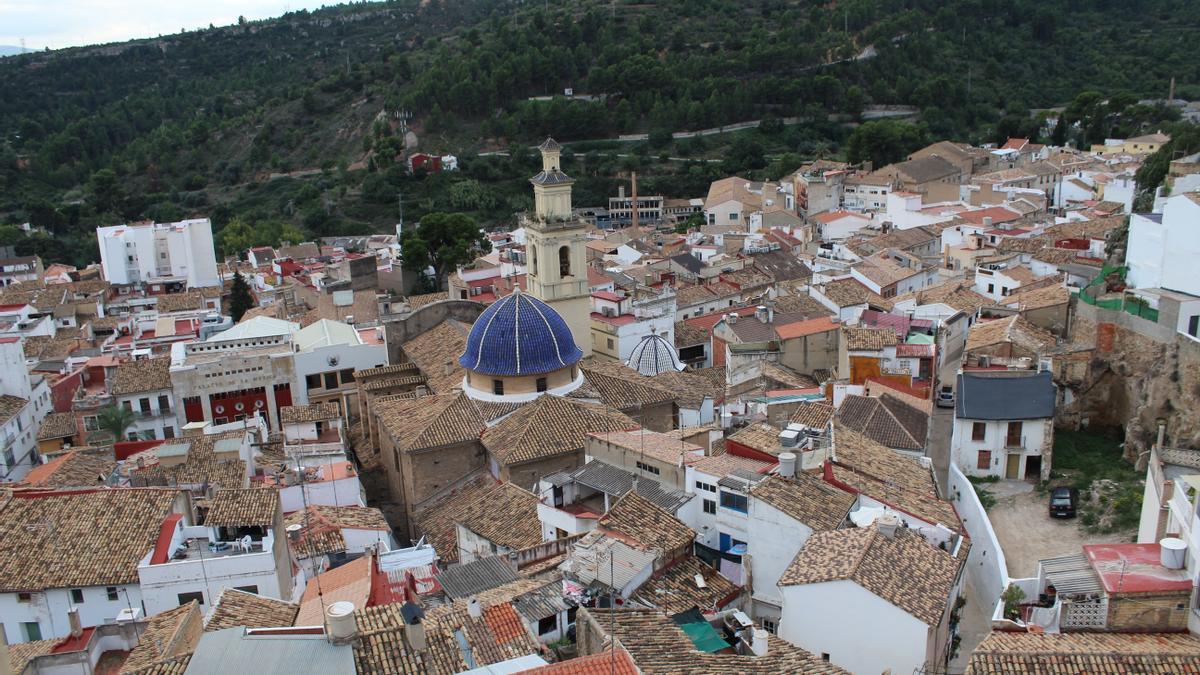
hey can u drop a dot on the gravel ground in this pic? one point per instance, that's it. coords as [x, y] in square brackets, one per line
[1027, 534]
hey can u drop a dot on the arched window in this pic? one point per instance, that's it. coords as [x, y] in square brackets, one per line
[564, 261]
[533, 260]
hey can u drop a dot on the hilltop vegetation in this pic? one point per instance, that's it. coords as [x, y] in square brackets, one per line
[295, 121]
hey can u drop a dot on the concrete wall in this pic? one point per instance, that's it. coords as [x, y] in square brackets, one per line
[1037, 438]
[527, 474]
[773, 540]
[811, 352]
[412, 324]
[986, 567]
[49, 610]
[859, 631]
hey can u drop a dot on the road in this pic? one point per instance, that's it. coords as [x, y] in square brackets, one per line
[941, 424]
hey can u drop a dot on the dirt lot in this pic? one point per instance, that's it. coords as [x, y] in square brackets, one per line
[1027, 534]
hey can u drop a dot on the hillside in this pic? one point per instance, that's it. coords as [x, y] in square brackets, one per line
[294, 120]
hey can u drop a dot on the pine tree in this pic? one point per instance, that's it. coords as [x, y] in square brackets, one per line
[240, 300]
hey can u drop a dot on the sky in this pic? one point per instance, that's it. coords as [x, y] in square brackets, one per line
[70, 23]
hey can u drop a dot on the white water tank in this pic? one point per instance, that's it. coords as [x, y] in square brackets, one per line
[758, 642]
[787, 464]
[339, 620]
[887, 523]
[1172, 552]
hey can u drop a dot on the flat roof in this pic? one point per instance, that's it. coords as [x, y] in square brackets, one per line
[1134, 568]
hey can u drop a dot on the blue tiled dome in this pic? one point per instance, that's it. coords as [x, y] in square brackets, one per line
[519, 335]
[654, 355]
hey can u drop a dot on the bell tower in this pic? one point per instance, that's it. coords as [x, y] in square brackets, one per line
[555, 241]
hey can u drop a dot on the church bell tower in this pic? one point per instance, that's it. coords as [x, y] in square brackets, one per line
[555, 241]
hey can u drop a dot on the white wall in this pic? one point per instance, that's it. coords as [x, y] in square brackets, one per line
[860, 631]
[965, 451]
[161, 584]
[774, 539]
[1181, 219]
[342, 492]
[50, 609]
[987, 569]
[357, 541]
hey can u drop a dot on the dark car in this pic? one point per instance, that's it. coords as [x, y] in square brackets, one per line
[945, 397]
[1063, 502]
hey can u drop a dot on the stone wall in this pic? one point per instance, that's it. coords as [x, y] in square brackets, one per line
[410, 325]
[1141, 372]
[1161, 613]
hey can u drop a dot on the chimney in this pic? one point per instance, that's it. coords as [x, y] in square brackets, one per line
[620, 192]
[474, 609]
[633, 182]
[448, 367]
[987, 222]
[414, 629]
[76, 627]
[787, 464]
[770, 311]
[340, 626]
[731, 318]
[293, 532]
[760, 313]
[887, 524]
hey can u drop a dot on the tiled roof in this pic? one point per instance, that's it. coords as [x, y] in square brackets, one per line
[846, 292]
[1047, 296]
[674, 589]
[725, 464]
[239, 608]
[785, 376]
[603, 663]
[800, 304]
[202, 465]
[886, 475]
[169, 634]
[21, 654]
[436, 353]
[660, 647]
[57, 425]
[174, 665]
[88, 538]
[904, 569]
[955, 293]
[238, 507]
[814, 415]
[321, 526]
[179, 302]
[10, 407]
[135, 377]
[315, 412]
[687, 335]
[349, 583]
[431, 421]
[886, 420]
[1074, 653]
[640, 523]
[419, 301]
[868, 339]
[82, 467]
[550, 426]
[381, 648]
[809, 500]
[481, 574]
[1015, 329]
[690, 387]
[503, 513]
[621, 387]
[760, 436]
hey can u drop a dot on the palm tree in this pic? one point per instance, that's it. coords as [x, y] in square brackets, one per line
[115, 419]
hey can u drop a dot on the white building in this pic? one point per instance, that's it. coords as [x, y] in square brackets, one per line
[328, 353]
[144, 387]
[240, 545]
[872, 600]
[24, 403]
[1004, 424]
[1164, 248]
[619, 322]
[162, 254]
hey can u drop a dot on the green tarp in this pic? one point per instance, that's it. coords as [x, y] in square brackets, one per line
[705, 637]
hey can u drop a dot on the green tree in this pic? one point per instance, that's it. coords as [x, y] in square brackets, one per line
[884, 141]
[442, 241]
[115, 419]
[237, 237]
[240, 300]
[107, 195]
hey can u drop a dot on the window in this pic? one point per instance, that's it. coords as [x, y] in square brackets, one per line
[734, 501]
[498, 387]
[112, 593]
[985, 460]
[77, 596]
[541, 384]
[24, 597]
[1013, 437]
[164, 404]
[185, 598]
[825, 656]
[610, 343]
[979, 431]
[733, 217]
[564, 261]
[168, 432]
[547, 625]
[346, 375]
[769, 625]
[90, 423]
[710, 507]
[991, 288]
[32, 631]
[1194, 326]
[642, 466]
[313, 382]
[707, 487]
[249, 589]
[331, 381]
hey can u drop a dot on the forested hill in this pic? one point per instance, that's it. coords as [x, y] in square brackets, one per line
[198, 122]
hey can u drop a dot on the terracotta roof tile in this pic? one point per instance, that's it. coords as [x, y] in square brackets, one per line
[431, 421]
[886, 420]
[238, 507]
[170, 634]
[315, 412]
[501, 512]
[10, 407]
[57, 425]
[637, 521]
[674, 589]
[869, 339]
[239, 608]
[82, 467]
[809, 500]
[814, 415]
[89, 539]
[202, 465]
[550, 426]
[904, 569]
[621, 387]
[1014, 329]
[436, 348]
[142, 375]
[1072, 653]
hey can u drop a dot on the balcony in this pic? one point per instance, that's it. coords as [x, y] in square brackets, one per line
[329, 441]
[155, 413]
[1018, 444]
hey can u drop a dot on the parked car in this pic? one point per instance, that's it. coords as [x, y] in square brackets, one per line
[945, 397]
[1063, 502]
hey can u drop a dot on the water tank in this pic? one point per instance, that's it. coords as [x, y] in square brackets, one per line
[887, 523]
[339, 620]
[1172, 553]
[787, 464]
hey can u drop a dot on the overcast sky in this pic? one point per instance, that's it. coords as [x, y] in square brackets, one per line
[70, 23]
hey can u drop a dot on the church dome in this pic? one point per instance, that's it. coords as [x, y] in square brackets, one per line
[519, 335]
[654, 355]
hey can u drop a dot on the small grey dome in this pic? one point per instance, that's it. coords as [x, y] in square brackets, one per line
[654, 355]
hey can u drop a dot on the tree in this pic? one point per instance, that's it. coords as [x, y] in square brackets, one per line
[884, 141]
[240, 300]
[115, 420]
[442, 241]
[106, 191]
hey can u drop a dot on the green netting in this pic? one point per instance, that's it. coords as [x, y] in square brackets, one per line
[705, 637]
